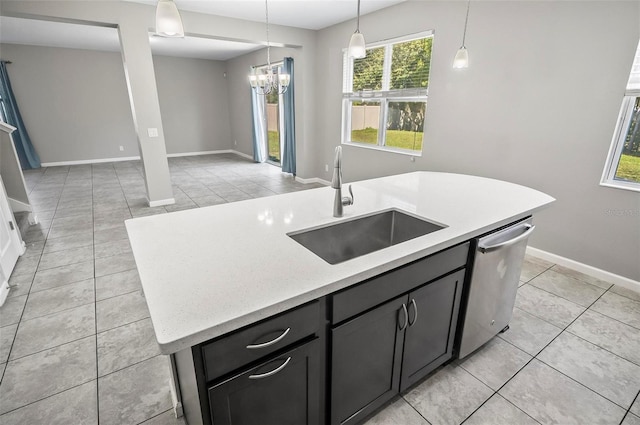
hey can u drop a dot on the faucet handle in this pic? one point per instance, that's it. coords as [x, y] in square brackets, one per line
[348, 200]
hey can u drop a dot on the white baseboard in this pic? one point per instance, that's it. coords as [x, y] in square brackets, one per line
[625, 282]
[89, 161]
[313, 180]
[18, 206]
[176, 155]
[135, 158]
[161, 202]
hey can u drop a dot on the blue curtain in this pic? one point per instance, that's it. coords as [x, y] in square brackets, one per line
[289, 149]
[10, 112]
[259, 128]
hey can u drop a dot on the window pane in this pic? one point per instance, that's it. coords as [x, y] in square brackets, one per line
[405, 125]
[410, 64]
[365, 120]
[367, 72]
[273, 126]
[629, 166]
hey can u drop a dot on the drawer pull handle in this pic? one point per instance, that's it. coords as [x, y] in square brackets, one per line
[415, 309]
[406, 317]
[273, 372]
[269, 343]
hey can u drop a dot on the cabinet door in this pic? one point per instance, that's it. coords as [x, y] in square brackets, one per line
[284, 390]
[365, 361]
[433, 316]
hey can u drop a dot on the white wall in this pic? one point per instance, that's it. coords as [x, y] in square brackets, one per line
[193, 103]
[537, 106]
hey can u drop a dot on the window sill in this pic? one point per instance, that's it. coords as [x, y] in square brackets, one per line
[634, 187]
[384, 149]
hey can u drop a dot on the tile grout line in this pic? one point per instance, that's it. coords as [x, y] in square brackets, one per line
[95, 302]
[543, 348]
[24, 307]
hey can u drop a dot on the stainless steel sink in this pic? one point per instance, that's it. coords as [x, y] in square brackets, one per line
[350, 239]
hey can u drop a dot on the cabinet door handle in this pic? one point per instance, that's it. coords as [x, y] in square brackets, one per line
[273, 372]
[406, 316]
[268, 343]
[415, 309]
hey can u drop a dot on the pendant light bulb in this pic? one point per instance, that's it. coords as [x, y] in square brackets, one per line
[357, 46]
[462, 59]
[168, 20]
[462, 56]
[357, 49]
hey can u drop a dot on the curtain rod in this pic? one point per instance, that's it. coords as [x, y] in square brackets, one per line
[8, 62]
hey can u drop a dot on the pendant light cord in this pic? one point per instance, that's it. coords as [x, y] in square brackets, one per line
[266, 9]
[466, 19]
[358, 20]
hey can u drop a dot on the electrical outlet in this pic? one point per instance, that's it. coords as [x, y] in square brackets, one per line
[153, 132]
[326, 168]
[121, 148]
[235, 143]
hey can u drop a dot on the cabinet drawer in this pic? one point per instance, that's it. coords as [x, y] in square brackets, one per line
[389, 285]
[252, 343]
[284, 390]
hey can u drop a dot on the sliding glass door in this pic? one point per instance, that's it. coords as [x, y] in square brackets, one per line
[274, 125]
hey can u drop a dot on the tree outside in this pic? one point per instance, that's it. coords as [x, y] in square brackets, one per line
[629, 165]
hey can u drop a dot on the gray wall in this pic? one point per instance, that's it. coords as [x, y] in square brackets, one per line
[193, 103]
[537, 106]
[74, 102]
[76, 107]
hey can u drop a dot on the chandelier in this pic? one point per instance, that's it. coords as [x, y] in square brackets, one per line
[263, 79]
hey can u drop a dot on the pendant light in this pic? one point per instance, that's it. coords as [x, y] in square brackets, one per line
[168, 20]
[357, 47]
[462, 56]
[266, 81]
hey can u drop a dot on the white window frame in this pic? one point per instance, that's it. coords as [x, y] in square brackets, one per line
[620, 133]
[615, 152]
[383, 96]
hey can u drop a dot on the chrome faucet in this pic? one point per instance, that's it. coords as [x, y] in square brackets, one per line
[336, 183]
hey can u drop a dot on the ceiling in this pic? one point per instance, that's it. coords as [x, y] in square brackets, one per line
[308, 14]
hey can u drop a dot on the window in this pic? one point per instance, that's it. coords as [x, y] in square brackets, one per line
[622, 169]
[272, 115]
[384, 98]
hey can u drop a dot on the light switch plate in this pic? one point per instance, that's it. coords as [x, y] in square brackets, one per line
[153, 132]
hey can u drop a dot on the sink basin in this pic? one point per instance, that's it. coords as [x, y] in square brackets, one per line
[350, 239]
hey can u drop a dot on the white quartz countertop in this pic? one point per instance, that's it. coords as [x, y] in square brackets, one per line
[208, 271]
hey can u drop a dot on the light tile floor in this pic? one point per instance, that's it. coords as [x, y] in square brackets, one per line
[76, 342]
[571, 356]
[77, 346]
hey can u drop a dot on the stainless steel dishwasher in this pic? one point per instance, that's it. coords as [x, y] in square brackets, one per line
[494, 284]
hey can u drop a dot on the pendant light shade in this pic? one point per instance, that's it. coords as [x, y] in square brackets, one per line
[462, 56]
[357, 46]
[168, 20]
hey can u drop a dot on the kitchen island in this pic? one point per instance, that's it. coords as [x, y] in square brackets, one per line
[213, 273]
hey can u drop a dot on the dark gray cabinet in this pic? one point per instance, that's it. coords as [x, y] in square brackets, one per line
[336, 359]
[384, 350]
[433, 315]
[365, 362]
[284, 390]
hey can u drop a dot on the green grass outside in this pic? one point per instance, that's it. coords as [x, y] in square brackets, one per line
[274, 146]
[395, 138]
[629, 168]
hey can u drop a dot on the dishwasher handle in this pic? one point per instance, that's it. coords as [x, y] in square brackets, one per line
[488, 248]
